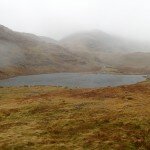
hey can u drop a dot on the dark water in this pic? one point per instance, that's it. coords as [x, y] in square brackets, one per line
[73, 80]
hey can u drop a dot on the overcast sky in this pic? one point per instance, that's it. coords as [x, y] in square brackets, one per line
[59, 18]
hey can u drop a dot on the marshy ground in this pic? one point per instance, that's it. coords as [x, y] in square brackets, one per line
[44, 118]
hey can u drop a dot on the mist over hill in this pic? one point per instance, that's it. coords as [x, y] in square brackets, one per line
[23, 53]
[92, 51]
[99, 41]
[123, 55]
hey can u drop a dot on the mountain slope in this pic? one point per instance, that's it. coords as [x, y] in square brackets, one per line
[123, 55]
[98, 41]
[135, 62]
[22, 53]
[96, 51]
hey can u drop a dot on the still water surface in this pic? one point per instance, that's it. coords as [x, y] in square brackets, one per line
[88, 80]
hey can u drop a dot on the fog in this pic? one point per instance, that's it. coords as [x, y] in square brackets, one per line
[59, 18]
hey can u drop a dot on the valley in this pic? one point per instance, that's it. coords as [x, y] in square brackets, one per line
[74, 75]
[102, 113]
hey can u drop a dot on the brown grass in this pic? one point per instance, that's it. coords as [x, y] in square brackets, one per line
[44, 117]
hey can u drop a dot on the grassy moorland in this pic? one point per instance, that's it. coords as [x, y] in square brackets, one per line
[45, 118]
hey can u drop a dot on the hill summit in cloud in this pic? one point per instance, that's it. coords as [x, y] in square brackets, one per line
[123, 55]
[23, 53]
[99, 41]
